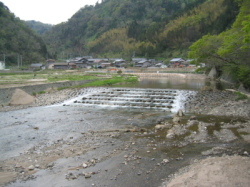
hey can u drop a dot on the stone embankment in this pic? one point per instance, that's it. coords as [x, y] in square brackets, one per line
[6, 93]
[219, 103]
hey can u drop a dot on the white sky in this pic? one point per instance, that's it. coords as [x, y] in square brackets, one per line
[46, 11]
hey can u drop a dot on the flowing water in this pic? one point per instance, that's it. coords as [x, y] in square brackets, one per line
[169, 95]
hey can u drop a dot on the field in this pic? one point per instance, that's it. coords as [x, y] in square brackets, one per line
[21, 78]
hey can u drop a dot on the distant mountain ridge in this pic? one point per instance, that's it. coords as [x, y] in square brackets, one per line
[147, 28]
[38, 26]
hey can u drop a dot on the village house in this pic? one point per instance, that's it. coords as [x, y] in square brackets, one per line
[143, 64]
[104, 65]
[61, 65]
[72, 65]
[176, 62]
[37, 66]
[79, 63]
[97, 62]
[119, 63]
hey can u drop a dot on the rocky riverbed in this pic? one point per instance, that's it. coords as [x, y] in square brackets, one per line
[43, 145]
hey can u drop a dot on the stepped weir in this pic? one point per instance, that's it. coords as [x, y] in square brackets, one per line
[164, 99]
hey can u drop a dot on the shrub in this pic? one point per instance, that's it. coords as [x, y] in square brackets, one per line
[240, 96]
[41, 92]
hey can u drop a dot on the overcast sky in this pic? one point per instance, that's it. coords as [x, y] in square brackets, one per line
[46, 11]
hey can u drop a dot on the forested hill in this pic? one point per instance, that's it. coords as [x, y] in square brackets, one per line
[148, 28]
[18, 41]
[38, 26]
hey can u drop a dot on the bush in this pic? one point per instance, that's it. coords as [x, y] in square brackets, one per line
[41, 92]
[240, 96]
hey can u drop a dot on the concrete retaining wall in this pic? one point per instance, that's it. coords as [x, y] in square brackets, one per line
[6, 93]
[170, 75]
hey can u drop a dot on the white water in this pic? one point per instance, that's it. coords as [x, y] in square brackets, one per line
[179, 98]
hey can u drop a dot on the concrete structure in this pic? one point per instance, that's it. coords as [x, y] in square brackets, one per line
[37, 66]
[2, 65]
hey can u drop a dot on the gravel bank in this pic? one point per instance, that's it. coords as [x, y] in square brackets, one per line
[218, 103]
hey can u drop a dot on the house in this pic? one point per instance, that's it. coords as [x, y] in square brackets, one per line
[72, 65]
[119, 62]
[49, 63]
[61, 65]
[97, 60]
[134, 60]
[142, 63]
[176, 62]
[79, 62]
[37, 66]
[105, 64]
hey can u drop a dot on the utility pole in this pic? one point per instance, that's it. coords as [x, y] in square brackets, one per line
[18, 60]
[21, 58]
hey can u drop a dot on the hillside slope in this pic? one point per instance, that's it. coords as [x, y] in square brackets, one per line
[147, 28]
[16, 38]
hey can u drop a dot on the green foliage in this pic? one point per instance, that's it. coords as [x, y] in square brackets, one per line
[146, 28]
[106, 82]
[70, 77]
[39, 27]
[228, 51]
[41, 92]
[119, 72]
[200, 70]
[240, 96]
[17, 38]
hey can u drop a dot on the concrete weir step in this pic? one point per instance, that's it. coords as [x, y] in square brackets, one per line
[130, 97]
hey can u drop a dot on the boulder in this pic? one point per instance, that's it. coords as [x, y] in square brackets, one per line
[176, 119]
[170, 134]
[161, 127]
[180, 113]
[213, 73]
[192, 118]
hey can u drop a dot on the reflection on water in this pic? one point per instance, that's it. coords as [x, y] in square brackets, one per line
[170, 83]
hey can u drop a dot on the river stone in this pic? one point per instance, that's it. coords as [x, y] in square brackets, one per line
[225, 135]
[161, 127]
[176, 119]
[170, 134]
[180, 113]
[31, 167]
[213, 73]
[192, 118]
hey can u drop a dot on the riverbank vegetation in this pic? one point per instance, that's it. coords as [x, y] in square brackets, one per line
[51, 76]
[229, 50]
[114, 80]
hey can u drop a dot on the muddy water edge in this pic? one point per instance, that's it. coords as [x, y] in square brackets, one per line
[93, 146]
